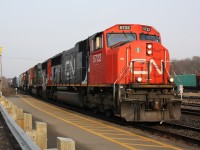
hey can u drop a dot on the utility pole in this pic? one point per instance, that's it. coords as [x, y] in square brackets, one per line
[1, 48]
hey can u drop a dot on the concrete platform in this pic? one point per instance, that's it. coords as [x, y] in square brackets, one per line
[89, 133]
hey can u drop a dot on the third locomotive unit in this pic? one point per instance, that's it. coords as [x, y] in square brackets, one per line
[123, 70]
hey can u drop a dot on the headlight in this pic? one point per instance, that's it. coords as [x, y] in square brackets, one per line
[171, 80]
[139, 79]
[149, 52]
[149, 46]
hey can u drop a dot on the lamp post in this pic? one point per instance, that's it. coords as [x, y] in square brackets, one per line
[1, 48]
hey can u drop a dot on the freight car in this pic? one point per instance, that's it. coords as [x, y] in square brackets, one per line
[123, 70]
[189, 81]
[15, 82]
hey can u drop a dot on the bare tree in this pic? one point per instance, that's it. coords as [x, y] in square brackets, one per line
[186, 66]
[6, 89]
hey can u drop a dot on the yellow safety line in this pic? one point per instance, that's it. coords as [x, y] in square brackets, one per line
[98, 127]
[113, 133]
[128, 139]
[80, 122]
[83, 124]
[99, 130]
[145, 138]
[75, 121]
[95, 127]
[72, 119]
[144, 145]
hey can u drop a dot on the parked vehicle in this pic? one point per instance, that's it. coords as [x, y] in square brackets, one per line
[189, 81]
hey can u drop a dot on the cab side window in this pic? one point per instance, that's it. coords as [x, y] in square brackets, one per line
[97, 42]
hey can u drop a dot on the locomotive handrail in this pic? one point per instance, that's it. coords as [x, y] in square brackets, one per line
[117, 80]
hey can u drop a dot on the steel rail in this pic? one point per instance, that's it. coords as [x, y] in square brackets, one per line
[153, 129]
[190, 111]
[180, 126]
[190, 104]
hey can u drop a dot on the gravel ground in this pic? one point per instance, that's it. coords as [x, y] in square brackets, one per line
[189, 120]
[7, 140]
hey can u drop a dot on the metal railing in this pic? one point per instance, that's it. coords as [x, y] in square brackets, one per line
[22, 138]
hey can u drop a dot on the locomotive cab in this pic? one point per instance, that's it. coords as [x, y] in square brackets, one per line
[138, 67]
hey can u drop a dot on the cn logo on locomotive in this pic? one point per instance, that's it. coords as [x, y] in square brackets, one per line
[152, 62]
[70, 68]
[148, 29]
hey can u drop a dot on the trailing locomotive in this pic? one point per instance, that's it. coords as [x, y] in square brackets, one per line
[122, 70]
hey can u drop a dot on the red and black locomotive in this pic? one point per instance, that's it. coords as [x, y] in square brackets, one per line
[124, 70]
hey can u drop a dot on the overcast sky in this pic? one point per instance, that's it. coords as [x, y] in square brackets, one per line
[33, 30]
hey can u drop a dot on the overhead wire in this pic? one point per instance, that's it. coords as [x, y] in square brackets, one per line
[21, 58]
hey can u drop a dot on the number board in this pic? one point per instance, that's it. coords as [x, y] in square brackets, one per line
[124, 27]
[97, 58]
[147, 29]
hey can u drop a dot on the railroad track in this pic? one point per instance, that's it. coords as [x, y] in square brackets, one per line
[191, 104]
[190, 97]
[180, 126]
[190, 111]
[166, 130]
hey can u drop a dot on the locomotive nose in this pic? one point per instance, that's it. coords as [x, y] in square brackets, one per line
[150, 63]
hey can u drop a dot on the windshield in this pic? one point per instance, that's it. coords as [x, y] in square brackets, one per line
[115, 38]
[149, 37]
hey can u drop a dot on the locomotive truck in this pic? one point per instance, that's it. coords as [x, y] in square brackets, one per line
[123, 70]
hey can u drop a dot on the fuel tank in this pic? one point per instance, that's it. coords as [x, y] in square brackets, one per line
[70, 98]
